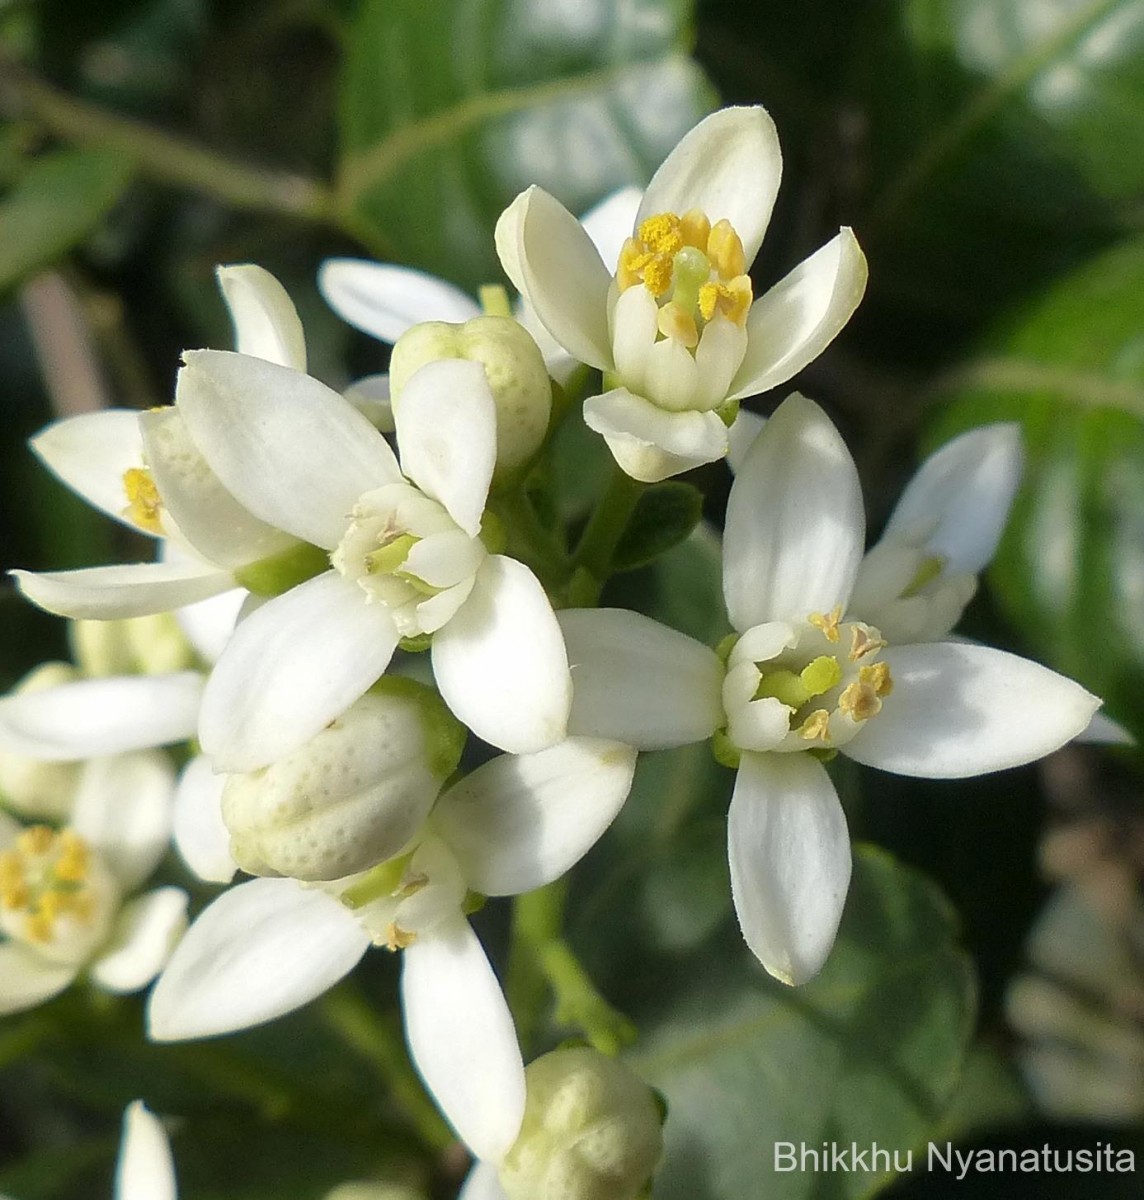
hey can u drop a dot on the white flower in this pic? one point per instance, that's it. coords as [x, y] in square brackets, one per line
[675, 327]
[807, 676]
[406, 558]
[64, 904]
[143, 469]
[269, 946]
[145, 1170]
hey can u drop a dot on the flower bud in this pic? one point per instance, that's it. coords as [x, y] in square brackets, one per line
[374, 1191]
[592, 1130]
[514, 367]
[353, 795]
[43, 790]
[152, 645]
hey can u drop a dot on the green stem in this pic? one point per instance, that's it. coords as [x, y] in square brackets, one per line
[160, 155]
[379, 1041]
[529, 540]
[606, 526]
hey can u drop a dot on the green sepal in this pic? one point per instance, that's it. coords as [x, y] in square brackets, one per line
[824, 754]
[724, 750]
[728, 412]
[473, 902]
[280, 572]
[723, 650]
[493, 535]
[417, 644]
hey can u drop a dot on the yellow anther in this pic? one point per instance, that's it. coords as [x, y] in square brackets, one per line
[735, 299]
[708, 300]
[143, 503]
[14, 896]
[725, 250]
[411, 884]
[657, 275]
[864, 640]
[397, 938]
[38, 927]
[877, 675]
[860, 702]
[675, 323]
[632, 259]
[662, 233]
[72, 864]
[36, 841]
[816, 727]
[695, 229]
[827, 623]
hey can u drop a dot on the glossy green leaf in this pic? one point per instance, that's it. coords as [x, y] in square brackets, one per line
[665, 514]
[58, 201]
[449, 109]
[868, 1052]
[1069, 570]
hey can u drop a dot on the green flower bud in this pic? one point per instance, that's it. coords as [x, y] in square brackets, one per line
[353, 795]
[153, 645]
[592, 1131]
[514, 367]
[374, 1191]
[43, 790]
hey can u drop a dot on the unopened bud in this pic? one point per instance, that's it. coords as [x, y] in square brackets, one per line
[32, 788]
[513, 365]
[353, 795]
[592, 1130]
[374, 1191]
[152, 645]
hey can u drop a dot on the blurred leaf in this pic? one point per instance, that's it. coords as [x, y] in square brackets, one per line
[1070, 569]
[450, 109]
[868, 1052]
[665, 514]
[989, 1096]
[57, 203]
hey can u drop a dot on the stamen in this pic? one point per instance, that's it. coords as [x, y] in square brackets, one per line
[878, 677]
[725, 250]
[144, 505]
[860, 702]
[816, 727]
[43, 878]
[864, 639]
[394, 550]
[695, 229]
[662, 233]
[827, 623]
[411, 884]
[397, 938]
[674, 322]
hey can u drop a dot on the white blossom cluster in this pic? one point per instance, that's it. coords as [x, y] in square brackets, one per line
[301, 548]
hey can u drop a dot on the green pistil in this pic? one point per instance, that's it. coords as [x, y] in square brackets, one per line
[795, 690]
[690, 270]
[386, 559]
[821, 675]
[930, 569]
[494, 301]
[377, 884]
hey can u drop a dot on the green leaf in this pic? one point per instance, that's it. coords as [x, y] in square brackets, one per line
[1070, 369]
[868, 1052]
[448, 110]
[664, 516]
[58, 201]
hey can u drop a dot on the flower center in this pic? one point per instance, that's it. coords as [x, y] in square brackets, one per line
[695, 270]
[804, 686]
[144, 505]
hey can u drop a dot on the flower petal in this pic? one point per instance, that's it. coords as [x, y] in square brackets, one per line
[500, 663]
[554, 265]
[957, 503]
[207, 515]
[727, 166]
[741, 437]
[795, 523]
[209, 623]
[384, 301]
[266, 323]
[201, 837]
[959, 709]
[26, 979]
[145, 933]
[789, 852]
[638, 681]
[521, 821]
[90, 453]
[124, 809]
[611, 222]
[370, 395]
[145, 1170]
[650, 444]
[1104, 731]
[290, 449]
[128, 590]
[291, 667]
[91, 717]
[482, 1183]
[447, 436]
[462, 1038]
[262, 949]
[790, 325]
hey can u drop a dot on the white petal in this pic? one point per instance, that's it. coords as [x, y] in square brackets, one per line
[1104, 731]
[207, 515]
[101, 716]
[671, 376]
[291, 667]
[482, 1183]
[289, 448]
[370, 395]
[124, 808]
[521, 821]
[795, 523]
[611, 222]
[130, 590]
[650, 444]
[717, 358]
[500, 663]
[556, 268]
[728, 166]
[790, 325]
[260, 950]
[635, 327]
[957, 503]
[638, 681]
[201, 837]
[447, 436]
[789, 852]
[90, 453]
[26, 979]
[741, 437]
[266, 323]
[209, 623]
[384, 301]
[145, 1170]
[462, 1039]
[145, 933]
[959, 709]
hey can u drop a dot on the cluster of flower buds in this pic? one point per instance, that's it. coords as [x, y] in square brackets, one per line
[354, 604]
